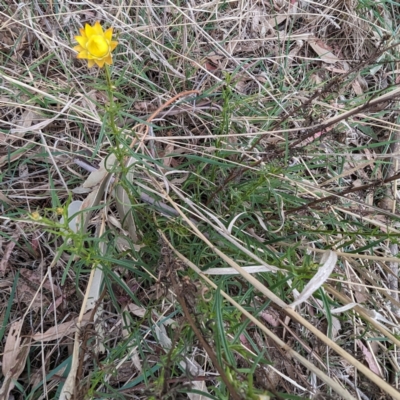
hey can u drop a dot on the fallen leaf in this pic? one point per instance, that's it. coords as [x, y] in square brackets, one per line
[144, 106]
[275, 21]
[271, 316]
[369, 358]
[8, 251]
[59, 331]
[27, 119]
[14, 358]
[168, 150]
[15, 155]
[29, 296]
[97, 176]
[34, 276]
[19, 365]
[323, 50]
[328, 263]
[12, 346]
[5, 199]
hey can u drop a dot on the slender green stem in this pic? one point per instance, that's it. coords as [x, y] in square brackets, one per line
[111, 110]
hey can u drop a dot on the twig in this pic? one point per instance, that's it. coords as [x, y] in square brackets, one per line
[181, 299]
[342, 193]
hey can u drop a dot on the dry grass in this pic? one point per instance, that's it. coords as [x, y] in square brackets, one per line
[236, 191]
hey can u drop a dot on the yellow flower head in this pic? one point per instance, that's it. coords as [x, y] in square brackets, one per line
[95, 45]
[59, 210]
[35, 216]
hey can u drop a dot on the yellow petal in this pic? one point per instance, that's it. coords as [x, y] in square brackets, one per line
[82, 31]
[81, 40]
[98, 46]
[90, 63]
[108, 34]
[97, 27]
[89, 30]
[108, 59]
[100, 63]
[113, 45]
[82, 54]
[78, 48]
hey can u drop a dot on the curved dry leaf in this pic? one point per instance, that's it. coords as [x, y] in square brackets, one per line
[31, 117]
[14, 358]
[17, 154]
[97, 176]
[323, 50]
[344, 308]
[328, 263]
[278, 19]
[5, 199]
[92, 200]
[16, 370]
[59, 331]
[8, 251]
[12, 346]
[369, 358]
[34, 299]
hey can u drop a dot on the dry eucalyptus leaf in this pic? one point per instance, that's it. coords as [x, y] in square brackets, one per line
[275, 21]
[8, 251]
[17, 154]
[40, 125]
[34, 276]
[369, 358]
[144, 106]
[97, 176]
[12, 346]
[323, 50]
[168, 150]
[5, 199]
[15, 372]
[59, 331]
[31, 297]
[27, 119]
[14, 358]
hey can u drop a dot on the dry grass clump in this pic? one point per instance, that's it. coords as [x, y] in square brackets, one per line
[215, 216]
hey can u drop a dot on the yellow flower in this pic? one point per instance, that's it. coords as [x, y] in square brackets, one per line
[95, 45]
[35, 216]
[60, 211]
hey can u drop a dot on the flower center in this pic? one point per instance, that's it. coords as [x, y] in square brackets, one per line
[97, 46]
